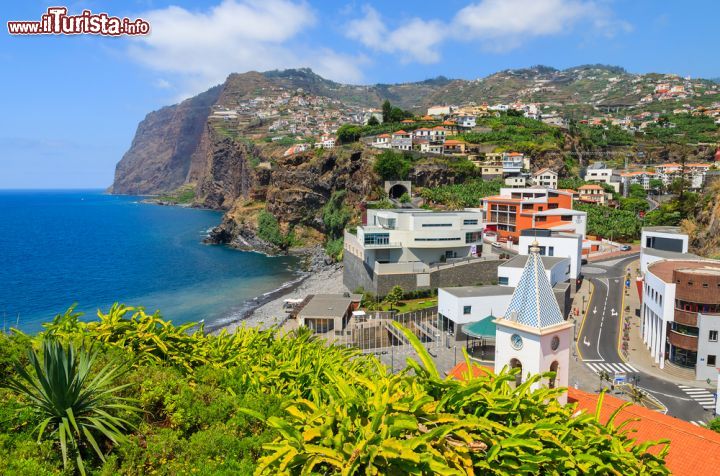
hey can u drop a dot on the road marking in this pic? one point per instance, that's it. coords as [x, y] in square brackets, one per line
[582, 324]
[702, 396]
[612, 368]
[698, 423]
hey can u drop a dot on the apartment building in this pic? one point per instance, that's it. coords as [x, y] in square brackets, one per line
[662, 242]
[598, 172]
[681, 315]
[639, 177]
[545, 178]
[514, 210]
[411, 247]
[693, 173]
[592, 193]
[557, 244]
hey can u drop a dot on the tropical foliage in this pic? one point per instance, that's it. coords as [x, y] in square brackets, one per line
[263, 402]
[464, 195]
[391, 165]
[611, 223]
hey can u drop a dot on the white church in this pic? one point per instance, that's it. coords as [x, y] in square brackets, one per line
[533, 335]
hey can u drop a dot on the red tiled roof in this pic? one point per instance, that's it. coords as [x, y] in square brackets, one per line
[460, 371]
[400, 132]
[694, 451]
[514, 154]
[590, 187]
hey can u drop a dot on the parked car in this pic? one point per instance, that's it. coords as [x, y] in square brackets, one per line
[496, 245]
[625, 248]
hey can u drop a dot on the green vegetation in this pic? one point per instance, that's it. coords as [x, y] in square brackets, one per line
[269, 231]
[517, 133]
[603, 136]
[683, 129]
[611, 223]
[409, 305]
[394, 114]
[391, 165]
[181, 196]
[571, 182]
[463, 195]
[714, 425]
[265, 403]
[335, 216]
[76, 409]
[394, 296]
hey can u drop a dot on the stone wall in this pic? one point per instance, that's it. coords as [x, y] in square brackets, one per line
[357, 274]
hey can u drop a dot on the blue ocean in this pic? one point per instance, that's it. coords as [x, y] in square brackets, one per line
[63, 247]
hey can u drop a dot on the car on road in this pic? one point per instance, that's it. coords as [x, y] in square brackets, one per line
[625, 248]
[496, 245]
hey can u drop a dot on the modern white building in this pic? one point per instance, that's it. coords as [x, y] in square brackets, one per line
[680, 315]
[410, 242]
[439, 111]
[555, 244]
[516, 181]
[557, 270]
[462, 305]
[533, 335]
[546, 178]
[662, 242]
[466, 121]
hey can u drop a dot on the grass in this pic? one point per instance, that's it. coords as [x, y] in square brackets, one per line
[409, 305]
[182, 195]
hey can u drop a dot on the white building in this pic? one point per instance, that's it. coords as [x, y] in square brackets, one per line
[662, 242]
[598, 172]
[466, 121]
[546, 178]
[439, 111]
[415, 238]
[533, 335]
[680, 315]
[639, 177]
[401, 140]
[382, 141]
[557, 270]
[555, 244]
[516, 181]
[462, 305]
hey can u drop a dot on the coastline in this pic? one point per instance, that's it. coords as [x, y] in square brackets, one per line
[267, 310]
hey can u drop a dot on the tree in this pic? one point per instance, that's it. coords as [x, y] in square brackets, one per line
[386, 110]
[714, 425]
[637, 191]
[405, 198]
[78, 407]
[348, 133]
[604, 376]
[391, 165]
[394, 296]
[373, 121]
[657, 185]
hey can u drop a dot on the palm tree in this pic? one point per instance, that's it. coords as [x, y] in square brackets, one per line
[636, 395]
[78, 408]
[604, 377]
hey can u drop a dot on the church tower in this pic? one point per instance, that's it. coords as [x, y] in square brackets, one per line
[533, 334]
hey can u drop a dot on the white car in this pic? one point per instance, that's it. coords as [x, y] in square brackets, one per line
[496, 245]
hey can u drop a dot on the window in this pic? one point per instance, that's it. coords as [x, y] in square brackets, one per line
[467, 310]
[377, 238]
[473, 237]
[705, 285]
[428, 225]
[551, 251]
[437, 239]
[470, 222]
[503, 280]
[713, 337]
[711, 361]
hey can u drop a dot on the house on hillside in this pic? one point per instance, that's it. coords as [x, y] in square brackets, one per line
[546, 178]
[592, 193]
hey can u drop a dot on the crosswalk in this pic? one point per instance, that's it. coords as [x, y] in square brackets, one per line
[700, 395]
[611, 368]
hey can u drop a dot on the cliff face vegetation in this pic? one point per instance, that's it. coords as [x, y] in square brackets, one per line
[704, 228]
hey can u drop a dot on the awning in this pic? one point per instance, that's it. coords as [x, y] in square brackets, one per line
[482, 328]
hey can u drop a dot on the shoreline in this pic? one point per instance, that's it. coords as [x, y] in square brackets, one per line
[267, 310]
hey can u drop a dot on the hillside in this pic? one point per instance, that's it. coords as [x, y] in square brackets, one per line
[225, 148]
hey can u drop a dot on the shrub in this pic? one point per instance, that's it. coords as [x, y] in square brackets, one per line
[391, 165]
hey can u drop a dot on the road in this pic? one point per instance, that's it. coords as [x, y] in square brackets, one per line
[598, 339]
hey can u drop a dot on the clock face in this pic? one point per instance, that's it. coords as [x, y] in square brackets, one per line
[555, 343]
[516, 341]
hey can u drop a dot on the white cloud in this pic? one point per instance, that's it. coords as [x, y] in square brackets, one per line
[498, 25]
[415, 40]
[203, 47]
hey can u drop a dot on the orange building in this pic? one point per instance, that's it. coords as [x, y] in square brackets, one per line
[517, 209]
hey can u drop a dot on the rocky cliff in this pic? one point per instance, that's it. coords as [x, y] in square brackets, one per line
[165, 144]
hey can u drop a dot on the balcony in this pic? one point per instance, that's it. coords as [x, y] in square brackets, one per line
[682, 340]
[688, 318]
[387, 244]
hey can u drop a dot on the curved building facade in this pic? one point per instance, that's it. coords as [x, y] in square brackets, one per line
[681, 314]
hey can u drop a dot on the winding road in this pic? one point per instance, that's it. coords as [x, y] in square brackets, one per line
[599, 335]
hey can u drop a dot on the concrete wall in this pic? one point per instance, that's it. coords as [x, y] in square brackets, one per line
[703, 371]
[357, 274]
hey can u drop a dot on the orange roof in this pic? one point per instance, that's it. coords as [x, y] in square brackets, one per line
[694, 451]
[453, 142]
[428, 118]
[552, 224]
[448, 123]
[500, 198]
[630, 174]
[384, 135]
[515, 154]
[460, 371]
[407, 121]
[590, 187]
[439, 128]
[400, 132]
[672, 164]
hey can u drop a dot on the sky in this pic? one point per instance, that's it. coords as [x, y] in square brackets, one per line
[71, 104]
